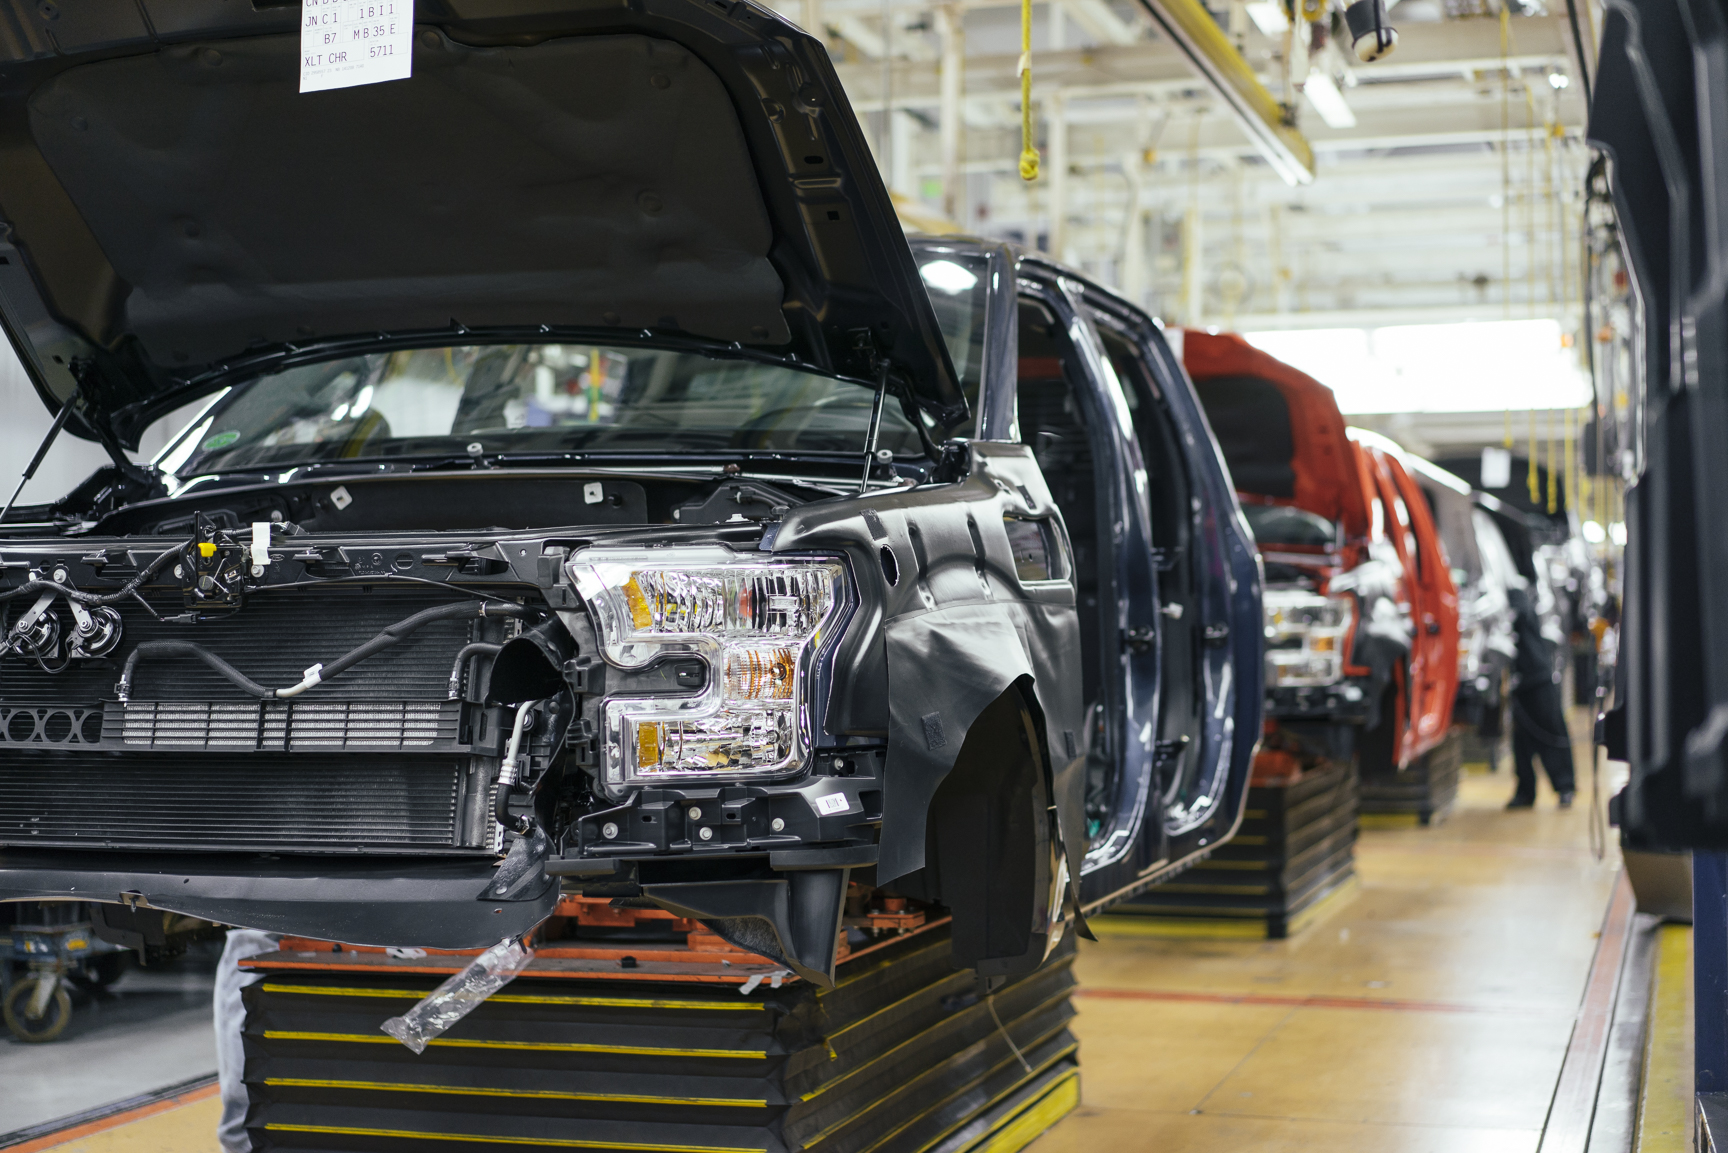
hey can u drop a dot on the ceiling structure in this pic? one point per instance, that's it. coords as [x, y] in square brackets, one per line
[1446, 177]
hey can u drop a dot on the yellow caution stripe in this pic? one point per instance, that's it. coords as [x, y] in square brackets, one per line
[521, 998]
[481, 1139]
[1011, 1136]
[533, 1094]
[535, 1046]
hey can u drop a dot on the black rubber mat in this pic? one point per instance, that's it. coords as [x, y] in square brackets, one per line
[1296, 845]
[1428, 787]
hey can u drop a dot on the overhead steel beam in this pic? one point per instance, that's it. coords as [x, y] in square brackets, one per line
[1209, 50]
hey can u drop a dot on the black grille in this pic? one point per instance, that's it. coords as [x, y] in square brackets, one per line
[214, 802]
[283, 726]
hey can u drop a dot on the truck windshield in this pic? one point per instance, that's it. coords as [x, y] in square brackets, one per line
[528, 398]
[1283, 525]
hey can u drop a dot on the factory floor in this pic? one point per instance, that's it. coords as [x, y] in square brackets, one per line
[150, 1030]
[1428, 1013]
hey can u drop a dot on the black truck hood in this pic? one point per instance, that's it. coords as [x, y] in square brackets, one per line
[173, 209]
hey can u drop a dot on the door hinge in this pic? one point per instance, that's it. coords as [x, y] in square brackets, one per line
[1166, 751]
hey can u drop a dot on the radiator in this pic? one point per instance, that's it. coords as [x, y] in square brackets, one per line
[233, 802]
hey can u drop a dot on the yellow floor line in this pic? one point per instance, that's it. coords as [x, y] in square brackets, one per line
[1245, 929]
[1665, 1104]
[1387, 820]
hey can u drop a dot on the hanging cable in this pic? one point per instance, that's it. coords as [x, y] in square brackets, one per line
[1554, 471]
[1505, 171]
[1533, 448]
[1572, 419]
[1028, 154]
[1506, 185]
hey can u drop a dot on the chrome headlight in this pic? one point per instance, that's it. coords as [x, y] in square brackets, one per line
[1305, 634]
[758, 625]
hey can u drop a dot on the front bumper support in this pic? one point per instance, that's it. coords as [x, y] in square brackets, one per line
[441, 904]
[1348, 702]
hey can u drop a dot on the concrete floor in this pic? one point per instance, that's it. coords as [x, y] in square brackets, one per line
[149, 1030]
[1428, 1014]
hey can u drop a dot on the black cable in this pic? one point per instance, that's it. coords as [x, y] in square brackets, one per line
[126, 590]
[383, 640]
[478, 648]
[187, 649]
[1578, 41]
[380, 579]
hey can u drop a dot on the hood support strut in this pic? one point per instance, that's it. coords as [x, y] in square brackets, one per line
[36, 461]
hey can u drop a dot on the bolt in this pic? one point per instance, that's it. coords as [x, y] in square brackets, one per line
[777, 824]
[693, 813]
[705, 833]
[60, 576]
[609, 831]
[179, 571]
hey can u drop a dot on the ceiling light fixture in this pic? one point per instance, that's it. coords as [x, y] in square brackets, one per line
[1323, 94]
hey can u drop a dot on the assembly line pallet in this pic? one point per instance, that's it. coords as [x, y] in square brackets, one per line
[1427, 788]
[659, 1045]
[1295, 848]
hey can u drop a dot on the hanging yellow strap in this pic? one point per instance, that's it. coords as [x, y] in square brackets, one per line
[1028, 154]
[1535, 451]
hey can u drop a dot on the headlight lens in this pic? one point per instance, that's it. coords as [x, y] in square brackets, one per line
[1305, 635]
[758, 624]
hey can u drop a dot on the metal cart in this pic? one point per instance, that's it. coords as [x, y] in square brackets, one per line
[49, 944]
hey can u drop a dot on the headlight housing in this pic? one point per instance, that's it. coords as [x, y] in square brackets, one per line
[758, 624]
[1305, 636]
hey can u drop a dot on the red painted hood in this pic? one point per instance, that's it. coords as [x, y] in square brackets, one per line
[1280, 429]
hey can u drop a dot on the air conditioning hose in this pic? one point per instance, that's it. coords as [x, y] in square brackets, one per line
[317, 674]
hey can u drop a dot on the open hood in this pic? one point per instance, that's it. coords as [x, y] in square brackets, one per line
[175, 213]
[1282, 434]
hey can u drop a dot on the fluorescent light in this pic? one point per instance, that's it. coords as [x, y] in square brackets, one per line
[1593, 532]
[1617, 533]
[1471, 366]
[1268, 16]
[1496, 467]
[1323, 94]
[1559, 79]
[946, 276]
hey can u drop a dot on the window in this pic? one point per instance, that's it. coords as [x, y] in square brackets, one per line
[530, 398]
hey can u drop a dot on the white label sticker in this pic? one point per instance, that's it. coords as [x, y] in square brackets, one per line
[349, 42]
[832, 803]
[593, 493]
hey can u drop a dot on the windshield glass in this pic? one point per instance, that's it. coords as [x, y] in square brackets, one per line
[1281, 524]
[959, 288]
[529, 398]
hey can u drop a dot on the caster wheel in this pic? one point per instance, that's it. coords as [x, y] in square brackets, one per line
[49, 1025]
[102, 971]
